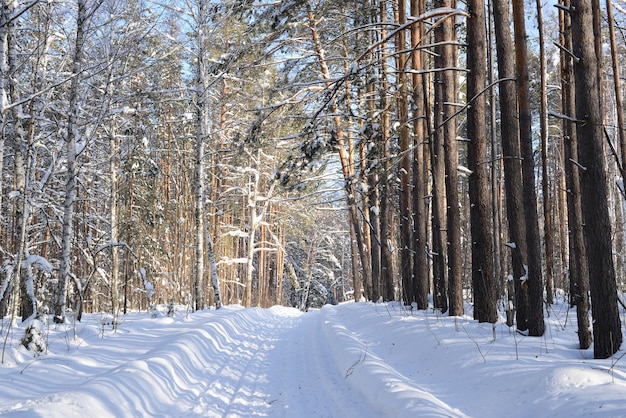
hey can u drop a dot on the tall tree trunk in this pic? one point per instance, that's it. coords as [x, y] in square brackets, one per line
[406, 221]
[372, 201]
[215, 282]
[617, 82]
[12, 127]
[511, 158]
[26, 297]
[619, 102]
[253, 189]
[201, 135]
[451, 162]
[562, 223]
[373, 212]
[387, 239]
[70, 155]
[534, 281]
[420, 238]
[621, 129]
[548, 230]
[578, 269]
[483, 278]
[113, 218]
[384, 172]
[4, 95]
[437, 155]
[607, 333]
[496, 173]
[355, 251]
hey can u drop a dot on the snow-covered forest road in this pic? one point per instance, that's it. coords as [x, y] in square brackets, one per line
[351, 360]
[273, 363]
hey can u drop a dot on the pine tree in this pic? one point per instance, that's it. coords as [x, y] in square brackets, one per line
[607, 333]
[483, 280]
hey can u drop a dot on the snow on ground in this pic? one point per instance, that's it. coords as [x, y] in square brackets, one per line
[351, 360]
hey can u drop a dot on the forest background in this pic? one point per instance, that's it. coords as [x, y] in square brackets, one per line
[306, 152]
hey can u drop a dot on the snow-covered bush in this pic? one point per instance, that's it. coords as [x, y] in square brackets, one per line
[34, 337]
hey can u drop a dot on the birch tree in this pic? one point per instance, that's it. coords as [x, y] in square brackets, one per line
[202, 126]
[5, 18]
[23, 295]
[72, 136]
[5, 88]
[6, 80]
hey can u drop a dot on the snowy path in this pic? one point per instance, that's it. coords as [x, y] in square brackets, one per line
[273, 362]
[352, 360]
[277, 366]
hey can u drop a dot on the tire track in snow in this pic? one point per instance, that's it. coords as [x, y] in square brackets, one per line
[278, 366]
[310, 385]
[239, 377]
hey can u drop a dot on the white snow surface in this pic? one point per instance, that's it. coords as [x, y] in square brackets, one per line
[350, 360]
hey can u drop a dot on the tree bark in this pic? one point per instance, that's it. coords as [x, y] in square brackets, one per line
[253, 190]
[617, 83]
[420, 217]
[512, 159]
[621, 130]
[496, 172]
[483, 278]
[578, 269]
[548, 230]
[201, 134]
[215, 282]
[438, 143]
[384, 170]
[70, 155]
[536, 326]
[406, 221]
[113, 218]
[607, 334]
[4, 94]
[12, 129]
[372, 201]
[25, 298]
[451, 162]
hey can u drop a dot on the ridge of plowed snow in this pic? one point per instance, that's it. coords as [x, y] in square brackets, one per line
[395, 393]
